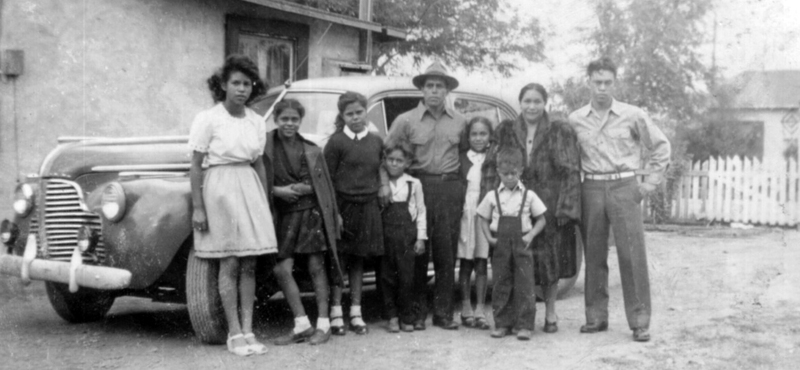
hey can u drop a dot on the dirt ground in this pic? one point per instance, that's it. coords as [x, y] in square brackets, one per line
[722, 299]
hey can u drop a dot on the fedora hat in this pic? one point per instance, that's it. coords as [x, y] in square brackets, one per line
[436, 69]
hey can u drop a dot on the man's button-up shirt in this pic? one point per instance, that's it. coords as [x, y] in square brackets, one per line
[616, 143]
[435, 141]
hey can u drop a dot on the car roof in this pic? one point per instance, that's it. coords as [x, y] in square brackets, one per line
[371, 85]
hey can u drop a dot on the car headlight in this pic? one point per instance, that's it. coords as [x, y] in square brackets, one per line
[23, 199]
[8, 232]
[87, 239]
[113, 204]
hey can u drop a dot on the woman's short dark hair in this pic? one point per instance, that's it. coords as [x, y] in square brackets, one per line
[401, 145]
[349, 97]
[602, 64]
[288, 104]
[533, 86]
[480, 119]
[236, 63]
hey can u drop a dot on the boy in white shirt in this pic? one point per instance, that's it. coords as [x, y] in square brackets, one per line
[404, 235]
[507, 214]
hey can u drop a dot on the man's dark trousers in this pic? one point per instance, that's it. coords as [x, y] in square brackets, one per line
[616, 203]
[444, 200]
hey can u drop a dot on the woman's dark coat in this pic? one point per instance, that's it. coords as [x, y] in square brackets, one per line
[552, 171]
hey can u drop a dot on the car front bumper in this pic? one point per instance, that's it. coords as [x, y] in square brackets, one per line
[74, 273]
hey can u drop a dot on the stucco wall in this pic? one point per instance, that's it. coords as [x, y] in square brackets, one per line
[119, 68]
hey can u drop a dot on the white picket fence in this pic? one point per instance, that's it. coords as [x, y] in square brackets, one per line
[739, 190]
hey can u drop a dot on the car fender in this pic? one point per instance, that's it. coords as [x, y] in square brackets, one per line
[156, 223]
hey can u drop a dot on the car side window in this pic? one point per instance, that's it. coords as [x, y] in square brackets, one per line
[471, 108]
[395, 106]
[376, 117]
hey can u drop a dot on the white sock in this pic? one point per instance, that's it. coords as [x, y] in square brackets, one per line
[323, 323]
[301, 324]
[336, 315]
[355, 316]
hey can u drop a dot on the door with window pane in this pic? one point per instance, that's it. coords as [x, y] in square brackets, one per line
[279, 48]
[274, 56]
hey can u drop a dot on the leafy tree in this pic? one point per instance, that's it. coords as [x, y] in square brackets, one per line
[473, 34]
[656, 45]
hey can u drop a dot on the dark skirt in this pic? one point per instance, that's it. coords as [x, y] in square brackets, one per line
[301, 232]
[362, 233]
[554, 253]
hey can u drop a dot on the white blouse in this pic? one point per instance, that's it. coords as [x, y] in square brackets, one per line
[227, 139]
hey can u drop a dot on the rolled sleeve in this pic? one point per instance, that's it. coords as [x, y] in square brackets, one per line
[657, 145]
[536, 205]
[422, 212]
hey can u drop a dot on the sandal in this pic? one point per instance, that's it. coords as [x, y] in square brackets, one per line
[358, 329]
[257, 347]
[468, 321]
[337, 329]
[245, 350]
[481, 323]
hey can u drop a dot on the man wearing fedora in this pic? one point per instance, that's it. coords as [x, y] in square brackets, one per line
[434, 132]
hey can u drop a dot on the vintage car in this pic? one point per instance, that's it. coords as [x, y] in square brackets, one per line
[110, 217]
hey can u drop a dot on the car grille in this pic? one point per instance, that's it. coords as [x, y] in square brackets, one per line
[63, 216]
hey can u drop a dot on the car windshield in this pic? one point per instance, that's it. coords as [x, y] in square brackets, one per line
[320, 113]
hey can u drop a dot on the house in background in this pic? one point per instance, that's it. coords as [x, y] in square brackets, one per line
[138, 67]
[768, 102]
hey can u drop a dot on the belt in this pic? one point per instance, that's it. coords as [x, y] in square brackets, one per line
[437, 177]
[610, 176]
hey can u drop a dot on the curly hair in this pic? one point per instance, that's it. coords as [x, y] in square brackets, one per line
[401, 145]
[288, 104]
[602, 64]
[349, 97]
[235, 63]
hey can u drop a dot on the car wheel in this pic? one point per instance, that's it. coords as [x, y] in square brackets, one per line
[203, 300]
[84, 306]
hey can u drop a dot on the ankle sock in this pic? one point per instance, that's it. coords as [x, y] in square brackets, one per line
[336, 316]
[324, 324]
[301, 324]
[355, 316]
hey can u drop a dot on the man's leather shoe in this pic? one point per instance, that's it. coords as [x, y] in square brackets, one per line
[641, 335]
[500, 332]
[524, 334]
[408, 328]
[419, 325]
[294, 338]
[319, 337]
[595, 327]
[445, 324]
[394, 325]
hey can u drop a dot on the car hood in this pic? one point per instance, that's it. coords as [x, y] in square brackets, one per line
[74, 157]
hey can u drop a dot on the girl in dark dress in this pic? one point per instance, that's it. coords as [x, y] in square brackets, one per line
[308, 219]
[353, 156]
[552, 171]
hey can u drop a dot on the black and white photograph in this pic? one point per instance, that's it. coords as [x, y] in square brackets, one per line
[399, 184]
